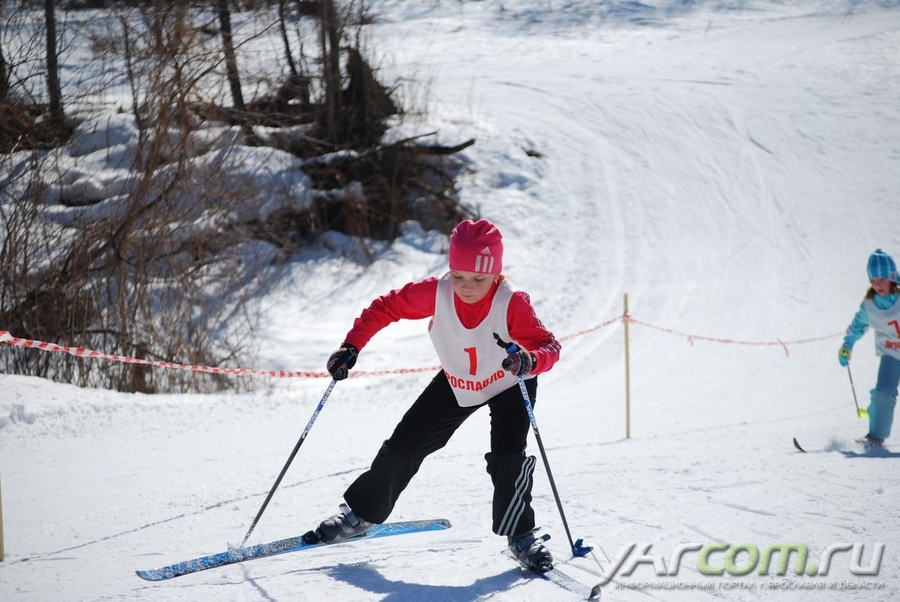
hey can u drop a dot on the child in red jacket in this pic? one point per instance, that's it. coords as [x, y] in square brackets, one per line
[467, 306]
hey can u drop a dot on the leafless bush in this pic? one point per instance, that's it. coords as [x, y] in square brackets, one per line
[24, 109]
[160, 268]
[155, 272]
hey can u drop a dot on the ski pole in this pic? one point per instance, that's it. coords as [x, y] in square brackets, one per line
[578, 549]
[860, 413]
[290, 459]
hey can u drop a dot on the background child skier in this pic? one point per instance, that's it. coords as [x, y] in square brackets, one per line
[881, 311]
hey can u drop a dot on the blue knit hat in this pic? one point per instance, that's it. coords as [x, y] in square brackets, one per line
[881, 265]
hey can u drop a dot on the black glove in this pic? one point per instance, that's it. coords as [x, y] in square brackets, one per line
[342, 360]
[519, 363]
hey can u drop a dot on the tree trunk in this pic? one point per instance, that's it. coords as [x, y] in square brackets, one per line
[234, 80]
[284, 36]
[57, 117]
[331, 54]
[4, 75]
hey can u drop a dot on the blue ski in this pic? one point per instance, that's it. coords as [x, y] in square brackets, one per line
[585, 592]
[283, 546]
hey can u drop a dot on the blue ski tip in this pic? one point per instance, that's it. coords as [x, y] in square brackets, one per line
[580, 550]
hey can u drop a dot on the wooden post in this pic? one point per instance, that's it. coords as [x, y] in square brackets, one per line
[1, 527]
[627, 375]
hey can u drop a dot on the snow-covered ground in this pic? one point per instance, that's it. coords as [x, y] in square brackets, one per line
[729, 166]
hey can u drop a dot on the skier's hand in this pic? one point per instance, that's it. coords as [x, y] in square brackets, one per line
[519, 363]
[340, 362]
[844, 354]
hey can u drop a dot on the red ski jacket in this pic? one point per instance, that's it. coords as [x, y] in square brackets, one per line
[416, 301]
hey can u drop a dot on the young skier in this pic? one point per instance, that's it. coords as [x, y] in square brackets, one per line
[467, 306]
[881, 311]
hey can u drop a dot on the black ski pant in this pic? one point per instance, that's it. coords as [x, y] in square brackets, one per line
[426, 427]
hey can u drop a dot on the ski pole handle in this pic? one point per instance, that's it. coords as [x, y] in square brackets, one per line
[509, 347]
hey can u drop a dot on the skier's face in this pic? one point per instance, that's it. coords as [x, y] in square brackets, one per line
[882, 286]
[471, 287]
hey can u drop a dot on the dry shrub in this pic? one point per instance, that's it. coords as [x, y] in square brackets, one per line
[165, 272]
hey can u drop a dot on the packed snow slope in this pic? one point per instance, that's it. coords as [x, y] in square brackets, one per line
[727, 165]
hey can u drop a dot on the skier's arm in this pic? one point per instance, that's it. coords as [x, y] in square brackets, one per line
[858, 326]
[412, 302]
[527, 330]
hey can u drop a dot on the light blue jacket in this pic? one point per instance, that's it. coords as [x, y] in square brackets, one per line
[860, 323]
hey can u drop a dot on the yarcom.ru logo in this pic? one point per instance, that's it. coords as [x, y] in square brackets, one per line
[743, 558]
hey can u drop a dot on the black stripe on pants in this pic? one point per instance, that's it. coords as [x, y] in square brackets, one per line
[427, 427]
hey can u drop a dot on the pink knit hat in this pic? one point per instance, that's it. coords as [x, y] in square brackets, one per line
[476, 247]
